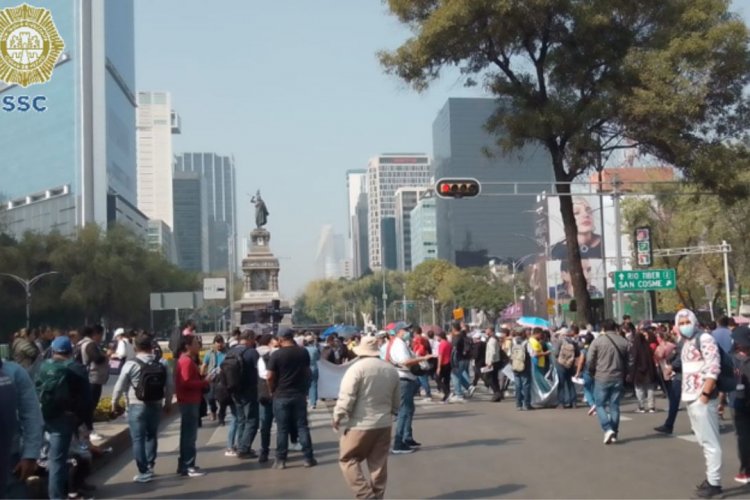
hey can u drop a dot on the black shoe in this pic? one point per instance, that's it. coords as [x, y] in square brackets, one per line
[707, 490]
[247, 455]
[279, 464]
[412, 444]
[310, 462]
[663, 429]
[263, 458]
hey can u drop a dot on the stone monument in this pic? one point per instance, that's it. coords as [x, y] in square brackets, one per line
[260, 270]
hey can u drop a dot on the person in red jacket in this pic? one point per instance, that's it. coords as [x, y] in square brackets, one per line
[189, 386]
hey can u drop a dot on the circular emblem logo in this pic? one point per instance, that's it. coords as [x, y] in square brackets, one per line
[30, 45]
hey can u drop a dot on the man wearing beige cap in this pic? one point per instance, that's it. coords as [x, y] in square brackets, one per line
[368, 399]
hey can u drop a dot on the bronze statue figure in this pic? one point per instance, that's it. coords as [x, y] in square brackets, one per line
[261, 211]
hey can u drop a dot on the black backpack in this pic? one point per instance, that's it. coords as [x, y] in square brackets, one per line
[152, 382]
[233, 370]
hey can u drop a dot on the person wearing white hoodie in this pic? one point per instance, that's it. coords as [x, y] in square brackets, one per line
[701, 365]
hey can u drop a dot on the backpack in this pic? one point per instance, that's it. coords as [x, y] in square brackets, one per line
[53, 388]
[466, 354]
[233, 370]
[567, 355]
[152, 382]
[727, 381]
[518, 357]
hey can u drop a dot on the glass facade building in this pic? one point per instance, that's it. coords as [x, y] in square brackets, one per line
[471, 231]
[423, 230]
[406, 199]
[86, 138]
[191, 221]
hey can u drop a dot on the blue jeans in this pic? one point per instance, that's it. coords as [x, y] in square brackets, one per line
[523, 389]
[567, 389]
[143, 420]
[405, 413]
[460, 377]
[245, 411]
[312, 394]
[607, 396]
[266, 421]
[424, 383]
[190, 416]
[674, 393]
[588, 388]
[291, 412]
[60, 434]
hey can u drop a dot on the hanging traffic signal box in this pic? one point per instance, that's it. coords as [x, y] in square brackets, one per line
[458, 188]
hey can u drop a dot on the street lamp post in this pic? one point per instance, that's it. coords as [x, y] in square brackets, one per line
[27, 284]
[516, 263]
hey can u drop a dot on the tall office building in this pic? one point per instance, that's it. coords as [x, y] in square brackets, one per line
[329, 258]
[423, 229]
[156, 122]
[356, 185]
[217, 174]
[385, 174]
[470, 231]
[360, 238]
[406, 199]
[191, 227]
[75, 163]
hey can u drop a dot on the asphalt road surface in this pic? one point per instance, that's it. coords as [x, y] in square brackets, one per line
[474, 450]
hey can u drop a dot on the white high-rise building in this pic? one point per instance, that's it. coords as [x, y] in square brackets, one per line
[356, 245]
[385, 174]
[329, 259]
[156, 122]
[406, 199]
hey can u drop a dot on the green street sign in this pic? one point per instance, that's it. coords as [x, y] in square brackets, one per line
[645, 280]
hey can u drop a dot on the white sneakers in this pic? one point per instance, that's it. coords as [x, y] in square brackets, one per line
[295, 447]
[145, 477]
[592, 410]
[609, 437]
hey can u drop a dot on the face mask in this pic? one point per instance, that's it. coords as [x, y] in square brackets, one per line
[687, 331]
[407, 336]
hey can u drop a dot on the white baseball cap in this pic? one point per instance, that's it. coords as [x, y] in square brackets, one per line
[119, 331]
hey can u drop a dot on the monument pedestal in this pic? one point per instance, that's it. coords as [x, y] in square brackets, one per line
[260, 282]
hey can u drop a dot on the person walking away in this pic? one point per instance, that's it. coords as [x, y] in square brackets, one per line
[368, 398]
[312, 349]
[147, 381]
[608, 364]
[670, 362]
[21, 429]
[740, 401]
[289, 381]
[189, 387]
[24, 351]
[723, 337]
[701, 366]
[399, 355]
[460, 358]
[421, 348]
[520, 363]
[88, 352]
[444, 366]
[493, 362]
[65, 399]
[567, 359]
[265, 402]
[478, 355]
[643, 372]
[583, 372]
[240, 371]
[209, 370]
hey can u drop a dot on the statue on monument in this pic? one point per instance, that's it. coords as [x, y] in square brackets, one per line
[261, 211]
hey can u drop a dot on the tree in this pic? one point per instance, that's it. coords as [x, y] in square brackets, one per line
[585, 78]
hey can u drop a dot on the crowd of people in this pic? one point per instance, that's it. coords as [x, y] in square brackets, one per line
[51, 386]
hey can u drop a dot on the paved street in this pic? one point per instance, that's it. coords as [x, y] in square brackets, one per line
[473, 450]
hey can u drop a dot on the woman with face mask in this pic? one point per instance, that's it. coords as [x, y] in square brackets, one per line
[701, 366]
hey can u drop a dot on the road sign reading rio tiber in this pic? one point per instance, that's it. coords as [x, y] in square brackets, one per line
[640, 281]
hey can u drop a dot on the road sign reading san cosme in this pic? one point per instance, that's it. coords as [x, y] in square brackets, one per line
[651, 279]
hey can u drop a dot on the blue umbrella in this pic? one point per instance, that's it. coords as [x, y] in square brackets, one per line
[532, 322]
[340, 330]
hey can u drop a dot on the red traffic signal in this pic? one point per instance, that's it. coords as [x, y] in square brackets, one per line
[458, 188]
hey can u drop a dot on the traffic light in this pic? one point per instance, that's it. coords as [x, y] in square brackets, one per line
[458, 188]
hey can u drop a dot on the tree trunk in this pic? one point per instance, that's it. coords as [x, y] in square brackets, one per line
[578, 279]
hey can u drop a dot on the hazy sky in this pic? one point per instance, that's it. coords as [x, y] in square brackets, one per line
[293, 89]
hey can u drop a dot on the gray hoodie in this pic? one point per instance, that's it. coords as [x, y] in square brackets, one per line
[130, 376]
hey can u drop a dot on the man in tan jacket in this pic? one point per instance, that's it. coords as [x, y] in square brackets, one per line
[368, 399]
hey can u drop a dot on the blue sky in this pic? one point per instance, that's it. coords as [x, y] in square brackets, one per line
[293, 89]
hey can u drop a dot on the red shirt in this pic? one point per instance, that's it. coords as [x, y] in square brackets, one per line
[420, 346]
[444, 352]
[188, 383]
